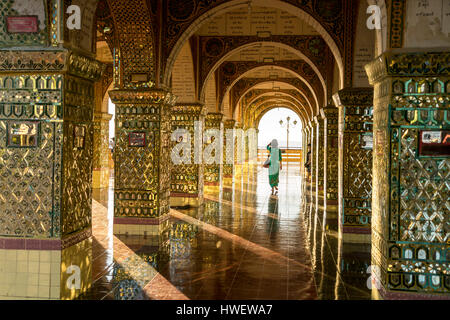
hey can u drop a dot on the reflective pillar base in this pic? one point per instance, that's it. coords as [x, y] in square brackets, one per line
[100, 178]
[140, 226]
[38, 268]
[101, 154]
[383, 294]
[178, 200]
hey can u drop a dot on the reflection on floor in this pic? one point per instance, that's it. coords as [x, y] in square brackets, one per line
[242, 243]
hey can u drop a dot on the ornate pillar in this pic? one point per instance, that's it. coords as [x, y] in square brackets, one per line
[228, 152]
[305, 150]
[101, 153]
[253, 153]
[320, 121]
[238, 150]
[312, 178]
[253, 145]
[142, 167]
[410, 233]
[249, 149]
[213, 171]
[317, 153]
[355, 162]
[46, 139]
[186, 179]
[331, 167]
[303, 168]
[307, 176]
[246, 144]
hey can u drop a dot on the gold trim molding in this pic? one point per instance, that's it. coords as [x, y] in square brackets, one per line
[152, 96]
[196, 109]
[51, 61]
[353, 96]
[408, 64]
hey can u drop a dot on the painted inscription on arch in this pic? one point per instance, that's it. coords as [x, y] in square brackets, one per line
[427, 23]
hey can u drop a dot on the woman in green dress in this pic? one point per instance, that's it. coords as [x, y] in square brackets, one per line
[275, 164]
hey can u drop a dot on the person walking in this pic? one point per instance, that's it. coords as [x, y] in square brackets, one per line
[275, 165]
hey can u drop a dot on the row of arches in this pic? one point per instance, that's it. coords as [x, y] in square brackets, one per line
[179, 67]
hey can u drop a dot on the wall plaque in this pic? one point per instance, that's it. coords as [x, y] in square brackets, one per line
[434, 143]
[23, 134]
[366, 140]
[139, 77]
[136, 139]
[22, 24]
[79, 136]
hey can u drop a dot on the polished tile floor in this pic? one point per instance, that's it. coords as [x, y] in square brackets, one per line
[243, 243]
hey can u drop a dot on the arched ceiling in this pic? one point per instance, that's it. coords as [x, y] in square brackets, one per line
[252, 20]
[259, 51]
[244, 85]
[266, 108]
[277, 100]
[266, 43]
[252, 118]
[236, 46]
[232, 72]
[260, 18]
[311, 53]
[249, 111]
[254, 94]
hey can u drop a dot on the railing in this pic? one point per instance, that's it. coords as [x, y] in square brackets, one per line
[287, 155]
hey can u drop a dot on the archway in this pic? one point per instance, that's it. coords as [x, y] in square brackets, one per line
[285, 125]
[234, 4]
[300, 56]
[270, 128]
[298, 78]
[270, 86]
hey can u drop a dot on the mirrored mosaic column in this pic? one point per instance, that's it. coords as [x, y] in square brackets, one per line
[228, 152]
[186, 146]
[141, 157]
[213, 152]
[355, 162]
[319, 194]
[238, 150]
[252, 134]
[411, 216]
[101, 153]
[307, 174]
[249, 150]
[304, 172]
[46, 145]
[254, 153]
[331, 114]
[312, 178]
[246, 144]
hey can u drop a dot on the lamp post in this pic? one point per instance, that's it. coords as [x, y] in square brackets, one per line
[287, 125]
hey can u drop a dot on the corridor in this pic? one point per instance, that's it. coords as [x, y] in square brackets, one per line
[241, 244]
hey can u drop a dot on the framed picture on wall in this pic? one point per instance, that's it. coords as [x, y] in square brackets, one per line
[79, 136]
[22, 134]
[366, 140]
[22, 24]
[435, 143]
[136, 139]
